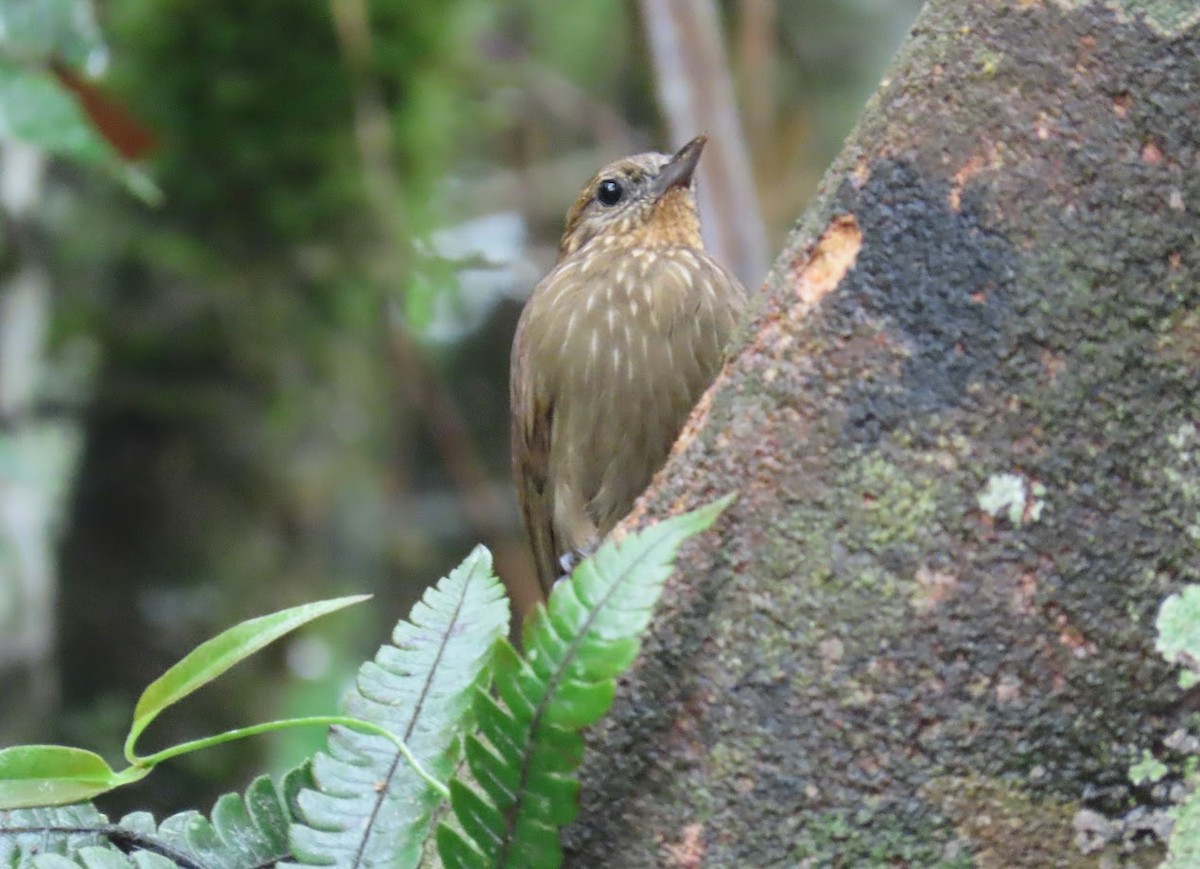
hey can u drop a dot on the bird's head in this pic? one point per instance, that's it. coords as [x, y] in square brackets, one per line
[646, 200]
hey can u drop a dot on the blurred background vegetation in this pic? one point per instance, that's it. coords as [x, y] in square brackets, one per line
[264, 360]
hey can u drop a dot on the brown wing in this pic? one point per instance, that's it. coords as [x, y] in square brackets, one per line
[532, 427]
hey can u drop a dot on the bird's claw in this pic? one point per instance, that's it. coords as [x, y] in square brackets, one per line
[570, 559]
[567, 561]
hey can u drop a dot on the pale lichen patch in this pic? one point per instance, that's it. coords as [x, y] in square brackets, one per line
[1168, 17]
[1013, 497]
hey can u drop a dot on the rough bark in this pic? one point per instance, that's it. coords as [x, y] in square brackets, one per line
[964, 423]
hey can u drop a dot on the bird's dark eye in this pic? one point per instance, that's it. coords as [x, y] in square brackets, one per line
[609, 192]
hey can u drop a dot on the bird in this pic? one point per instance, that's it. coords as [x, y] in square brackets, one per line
[612, 350]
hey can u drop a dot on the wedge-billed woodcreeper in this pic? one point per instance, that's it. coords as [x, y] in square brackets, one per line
[613, 349]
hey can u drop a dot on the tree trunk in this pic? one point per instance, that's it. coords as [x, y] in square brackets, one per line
[38, 452]
[964, 426]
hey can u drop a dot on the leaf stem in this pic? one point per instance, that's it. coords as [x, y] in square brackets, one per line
[315, 720]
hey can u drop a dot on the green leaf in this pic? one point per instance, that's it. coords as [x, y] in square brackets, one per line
[243, 831]
[457, 851]
[23, 832]
[1178, 627]
[524, 757]
[35, 109]
[369, 806]
[102, 857]
[39, 29]
[53, 775]
[212, 658]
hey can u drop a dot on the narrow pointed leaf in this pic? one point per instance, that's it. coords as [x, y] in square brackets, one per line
[213, 657]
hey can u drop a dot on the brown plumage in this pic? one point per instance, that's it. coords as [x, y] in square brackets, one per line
[613, 349]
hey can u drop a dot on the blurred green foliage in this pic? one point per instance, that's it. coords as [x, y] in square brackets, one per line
[253, 441]
[36, 29]
[38, 110]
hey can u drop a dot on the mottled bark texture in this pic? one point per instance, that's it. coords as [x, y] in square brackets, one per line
[963, 423]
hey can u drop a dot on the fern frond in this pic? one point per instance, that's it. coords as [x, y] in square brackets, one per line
[29, 833]
[528, 746]
[370, 807]
[79, 837]
[245, 831]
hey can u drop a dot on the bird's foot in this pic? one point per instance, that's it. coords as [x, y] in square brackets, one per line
[570, 559]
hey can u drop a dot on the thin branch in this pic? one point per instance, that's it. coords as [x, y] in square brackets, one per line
[696, 92]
